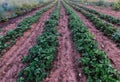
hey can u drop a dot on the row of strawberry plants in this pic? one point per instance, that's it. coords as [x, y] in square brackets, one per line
[42, 54]
[108, 18]
[107, 29]
[96, 65]
[9, 39]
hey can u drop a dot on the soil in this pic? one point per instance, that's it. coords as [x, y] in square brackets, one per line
[104, 43]
[14, 22]
[66, 64]
[65, 67]
[11, 64]
[107, 11]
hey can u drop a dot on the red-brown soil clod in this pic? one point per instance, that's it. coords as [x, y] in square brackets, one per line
[65, 66]
[11, 63]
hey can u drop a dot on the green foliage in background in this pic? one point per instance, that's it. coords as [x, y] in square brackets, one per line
[116, 5]
[13, 8]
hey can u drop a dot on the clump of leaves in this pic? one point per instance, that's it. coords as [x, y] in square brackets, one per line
[116, 6]
[116, 36]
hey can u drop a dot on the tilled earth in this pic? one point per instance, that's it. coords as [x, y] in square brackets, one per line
[113, 52]
[65, 67]
[10, 64]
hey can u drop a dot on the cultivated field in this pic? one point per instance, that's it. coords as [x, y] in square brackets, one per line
[61, 41]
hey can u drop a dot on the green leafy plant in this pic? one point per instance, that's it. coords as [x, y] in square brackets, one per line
[107, 29]
[10, 38]
[16, 10]
[43, 53]
[108, 18]
[116, 5]
[3, 18]
[96, 65]
[116, 37]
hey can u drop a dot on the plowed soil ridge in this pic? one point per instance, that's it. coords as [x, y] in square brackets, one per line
[65, 67]
[104, 43]
[11, 63]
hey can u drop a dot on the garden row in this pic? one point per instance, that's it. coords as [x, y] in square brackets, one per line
[107, 29]
[43, 53]
[9, 39]
[108, 18]
[96, 65]
[18, 11]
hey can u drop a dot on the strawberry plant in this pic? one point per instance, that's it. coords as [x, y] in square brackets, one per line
[116, 37]
[104, 27]
[108, 18]
[96, 65]
[9, 39]
[43, 53]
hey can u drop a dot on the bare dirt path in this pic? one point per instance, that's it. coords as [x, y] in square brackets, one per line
[65, 67]
[11, 63]
[107, 11]
[104, 43]
[14, 22]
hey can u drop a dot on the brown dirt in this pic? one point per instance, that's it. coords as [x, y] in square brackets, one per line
[104, 43]
[15, 22]
[11, 63]
[107, 11]
[65, 67]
